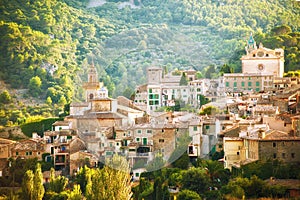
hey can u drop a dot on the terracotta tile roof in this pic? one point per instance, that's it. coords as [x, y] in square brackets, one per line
[4, 141]
[279, 135]
[61, 123]
[29, 145]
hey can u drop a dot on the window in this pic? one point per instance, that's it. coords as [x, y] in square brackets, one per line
[249, 84]
[206, 127]
[137, 174]
[274, 155]
[150, 90]
[249, 78]
[238, 153]
[274, 144]
[17, 153]
[293, 155]
[234, 84]
[91, 96]
[227, 84]
[137, 139]
[149, 131]
[257, 83]
[283, 155]
[139, 131]
[161, 140]
[243, 84]
[220, 146]
[195, 128]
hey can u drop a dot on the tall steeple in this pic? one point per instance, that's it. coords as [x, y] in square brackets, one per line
[251, 44]
[92, 74]
[93, 84]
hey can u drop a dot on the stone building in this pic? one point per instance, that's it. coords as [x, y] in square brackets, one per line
[248, 82]
[262, 60]
[29, 148]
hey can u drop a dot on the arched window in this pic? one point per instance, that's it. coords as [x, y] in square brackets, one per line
[91, 96]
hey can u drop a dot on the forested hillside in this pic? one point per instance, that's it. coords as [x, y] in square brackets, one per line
[47, 45]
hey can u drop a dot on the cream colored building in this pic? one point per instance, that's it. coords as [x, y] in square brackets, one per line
[254, 82]
[232, 151]
[262, 60]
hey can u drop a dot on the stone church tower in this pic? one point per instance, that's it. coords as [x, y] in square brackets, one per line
[262, 60]
[93, 85]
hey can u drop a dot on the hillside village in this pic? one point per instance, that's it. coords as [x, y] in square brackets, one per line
[257, 117]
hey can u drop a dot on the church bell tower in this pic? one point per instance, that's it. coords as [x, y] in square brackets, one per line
[93, 85]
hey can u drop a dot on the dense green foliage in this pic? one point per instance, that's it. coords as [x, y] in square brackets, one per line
[44, 44]
[47, 43]
[38, 127]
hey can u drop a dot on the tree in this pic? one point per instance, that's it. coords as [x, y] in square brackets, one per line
[111, 182]
[49, 101]
[57, 184]
[62, 101]
[34, 86]
[199, 75]
[218, 175]
[188, 195]
[225, 69]
[5, 97]
[183, 79]
[195, 179]
[281, 30]
[203, 100]
[210, 70]
[75, 194]
[182, 162]
[38, 188]
[27, 185]
[210, 110]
